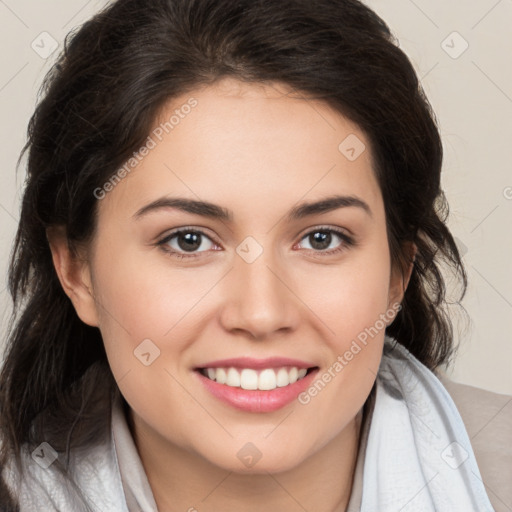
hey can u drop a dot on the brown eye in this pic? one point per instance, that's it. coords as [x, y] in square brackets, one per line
[189, 241]
[321, 239]
[184, 241]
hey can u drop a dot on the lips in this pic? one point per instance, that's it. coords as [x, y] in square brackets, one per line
[256, 385]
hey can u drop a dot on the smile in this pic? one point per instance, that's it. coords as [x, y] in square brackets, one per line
[251, 379]
[256, 385]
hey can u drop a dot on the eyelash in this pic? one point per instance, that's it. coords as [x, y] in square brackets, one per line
[347, 242]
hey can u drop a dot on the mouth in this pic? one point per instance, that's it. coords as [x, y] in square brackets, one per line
[256, 386]
[251, 379]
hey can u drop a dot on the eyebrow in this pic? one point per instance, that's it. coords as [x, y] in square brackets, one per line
[213, 211]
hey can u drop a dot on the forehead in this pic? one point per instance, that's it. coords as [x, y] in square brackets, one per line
[248, 144]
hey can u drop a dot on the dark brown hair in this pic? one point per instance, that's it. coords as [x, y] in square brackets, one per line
[97, 107]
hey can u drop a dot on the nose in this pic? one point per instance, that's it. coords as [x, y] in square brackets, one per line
[260, 300]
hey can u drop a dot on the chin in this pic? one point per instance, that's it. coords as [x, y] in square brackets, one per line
[249, 460]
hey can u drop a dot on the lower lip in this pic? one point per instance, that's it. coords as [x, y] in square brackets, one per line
[257, 400]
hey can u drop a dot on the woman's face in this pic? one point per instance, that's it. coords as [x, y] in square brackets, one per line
[270, 284]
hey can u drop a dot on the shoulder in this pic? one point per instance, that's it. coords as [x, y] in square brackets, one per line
[487, 417]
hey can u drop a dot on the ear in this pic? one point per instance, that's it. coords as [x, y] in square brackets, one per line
[74, 275]
[400, 279]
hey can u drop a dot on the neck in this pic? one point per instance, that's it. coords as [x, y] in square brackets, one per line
[183, 480]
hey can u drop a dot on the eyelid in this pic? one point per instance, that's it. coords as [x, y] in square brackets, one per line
[196, 229]
[326, 227]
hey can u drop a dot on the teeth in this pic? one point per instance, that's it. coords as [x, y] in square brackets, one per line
[267, 380]
[220, 376]
[233, 378]
[250, 379]
[282, 378]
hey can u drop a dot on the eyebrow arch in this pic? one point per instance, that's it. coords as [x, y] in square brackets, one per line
[213, 211]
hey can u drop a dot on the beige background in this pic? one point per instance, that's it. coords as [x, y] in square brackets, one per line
[461, 51]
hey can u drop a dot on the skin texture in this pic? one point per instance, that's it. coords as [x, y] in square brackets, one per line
[257, 150]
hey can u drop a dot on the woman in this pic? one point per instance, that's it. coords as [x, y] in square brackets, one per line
[227, 271]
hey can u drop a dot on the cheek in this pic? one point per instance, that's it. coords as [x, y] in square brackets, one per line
[351, 296]
[146, 309]
[146, 301]
[352, 303]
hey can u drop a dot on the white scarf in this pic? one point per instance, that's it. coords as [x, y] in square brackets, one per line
[418, 455]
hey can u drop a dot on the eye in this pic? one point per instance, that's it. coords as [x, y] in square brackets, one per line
[320, 239]
[185, 240]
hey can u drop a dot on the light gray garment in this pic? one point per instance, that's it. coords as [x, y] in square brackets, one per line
[418, 454]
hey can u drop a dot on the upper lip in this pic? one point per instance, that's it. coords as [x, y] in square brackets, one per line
[250, 362]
